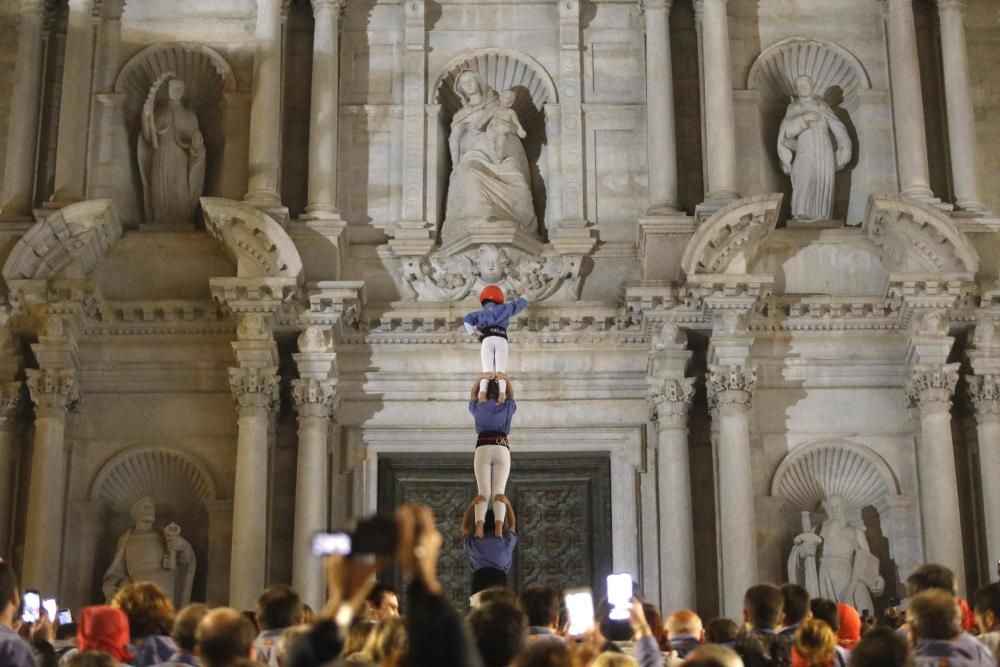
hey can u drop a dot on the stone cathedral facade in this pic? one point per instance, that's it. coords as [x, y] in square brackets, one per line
[758, 237]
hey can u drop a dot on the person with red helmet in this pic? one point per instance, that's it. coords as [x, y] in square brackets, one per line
[490, 325]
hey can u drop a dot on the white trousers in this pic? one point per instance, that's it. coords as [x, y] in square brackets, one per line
[492, 466]
[494, 355]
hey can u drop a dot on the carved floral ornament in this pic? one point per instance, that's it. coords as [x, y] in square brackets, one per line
[11, 400]
[931, 387]
[254, 387]
[731, 385]
[453, 278]
[319, 394]
[670, 400]
[983, 392]
[53, 389]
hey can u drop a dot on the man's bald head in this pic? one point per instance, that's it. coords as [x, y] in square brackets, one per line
[224, 637]
[683, 622]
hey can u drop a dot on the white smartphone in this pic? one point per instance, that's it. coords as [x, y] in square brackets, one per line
[331, 544]
[50, 606]
[580, 610]
[619, 596]
[64, 617]
[32, 606]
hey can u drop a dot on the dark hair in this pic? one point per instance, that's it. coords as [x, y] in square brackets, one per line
[763, 604]
[224, 636]
[492, 390]
[826, 611]
[8, 585]
[796, 603]
[500, 630]
[544, 654]
[186, 626]
[721, 631]
[379, 591]
[616, 631]
[91, 659]
[882, 647]
[933, 614]
[488, 577]
[66, 631]
[541, 604]
[278, 607]
[930, 575]
[987, 599]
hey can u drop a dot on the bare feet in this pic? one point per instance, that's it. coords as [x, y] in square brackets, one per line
[482, 397]
[501, 398]
[498, 529]
[480, 528]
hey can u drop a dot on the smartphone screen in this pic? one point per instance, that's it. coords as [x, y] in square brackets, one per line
[580, 610]
[50, 607]
[619, 596]
[331, 544]
[64, 617]
[32, 606]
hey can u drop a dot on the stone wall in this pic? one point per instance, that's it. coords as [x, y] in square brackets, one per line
[982, 25]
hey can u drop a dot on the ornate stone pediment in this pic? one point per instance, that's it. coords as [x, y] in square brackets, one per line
[728, 242]
[442, 277]
[914, 238]
[257, 244]
[80, 232]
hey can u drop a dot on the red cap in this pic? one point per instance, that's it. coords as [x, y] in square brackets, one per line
[104, 629]
[491, 293]
[850, 625]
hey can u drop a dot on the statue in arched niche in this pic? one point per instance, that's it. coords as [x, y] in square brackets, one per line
[813, 144]
[171, 152]
[490, 179]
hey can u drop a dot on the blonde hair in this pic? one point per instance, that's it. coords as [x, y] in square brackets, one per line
[608, 659]
[149, 610]
[388, 640]
[815, 642]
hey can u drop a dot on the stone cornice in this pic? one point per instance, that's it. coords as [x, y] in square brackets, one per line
[931, 387]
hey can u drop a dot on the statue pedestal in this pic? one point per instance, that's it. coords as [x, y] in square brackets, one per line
[814, 224]
[502, 233]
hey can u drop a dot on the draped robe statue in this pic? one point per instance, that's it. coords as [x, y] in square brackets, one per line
[171, 154]
[490, 179]
[146, 553]
[847, 572]
[808, 152]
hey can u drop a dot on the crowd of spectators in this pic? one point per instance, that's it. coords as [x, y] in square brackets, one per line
[361, 625]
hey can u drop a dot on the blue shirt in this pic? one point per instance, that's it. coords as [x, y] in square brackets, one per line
[14, 651]
[267, 646]
[151, 650]
[493, 417]
[182, 660]
[490, 551]
[494, 315]
[965, 651]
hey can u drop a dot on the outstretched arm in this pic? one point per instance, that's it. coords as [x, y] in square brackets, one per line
[510, 519]
[469, 515]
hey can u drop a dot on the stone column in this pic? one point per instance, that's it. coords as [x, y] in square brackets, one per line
[984, 393]
[673, 479]
[74, 106]
[265, 109]
[660, 134]
[731, 390]
[929, 392]
[25, 96]
[720, 119]
[907, 102]
[54, 392]
[11, 401]
[961, 116]
[324, 110]
[314, 394]
[255, 391]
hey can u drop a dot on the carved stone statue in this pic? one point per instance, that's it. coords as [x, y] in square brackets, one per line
[490, 179]
[171, 155]
[809, 154]
[847, 571]
[146, 553]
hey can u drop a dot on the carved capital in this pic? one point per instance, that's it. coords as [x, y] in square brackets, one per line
[53, 391]
[951, 5]
[313, 398]
[931, 387]
[669, 403]
[983, 391]
[730, 386]
[254, 388]
[334, 6]
[655, 4]
[11, 402]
